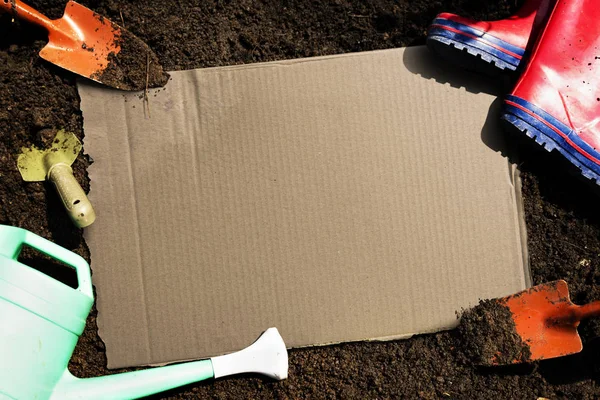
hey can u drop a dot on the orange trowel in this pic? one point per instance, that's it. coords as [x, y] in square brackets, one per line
[546, 321]
[90, 45]
[54, 164]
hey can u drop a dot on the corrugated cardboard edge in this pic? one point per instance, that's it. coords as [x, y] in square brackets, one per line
[377, 340]
[98, 291]
[518, 186]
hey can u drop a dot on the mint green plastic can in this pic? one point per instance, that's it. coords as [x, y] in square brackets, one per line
[41, 317]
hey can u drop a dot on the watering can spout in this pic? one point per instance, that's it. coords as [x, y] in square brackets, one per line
[267, 356]
[131, 385]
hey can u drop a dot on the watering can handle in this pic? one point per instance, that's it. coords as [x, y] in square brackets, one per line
[68, 257]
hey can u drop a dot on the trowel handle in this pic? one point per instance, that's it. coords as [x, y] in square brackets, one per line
[72, 195]
[589, 310]
[25, 13]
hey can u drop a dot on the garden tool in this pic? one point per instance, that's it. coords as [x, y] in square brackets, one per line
[42, 320]
[546, 321]
[487, 46]
[556, 101]
[54, 164]
[90, 45]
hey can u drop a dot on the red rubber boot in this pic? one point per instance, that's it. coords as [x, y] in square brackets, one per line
[556, 100]
[488, 47]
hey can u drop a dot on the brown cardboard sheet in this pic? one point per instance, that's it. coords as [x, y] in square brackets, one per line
[341, 198]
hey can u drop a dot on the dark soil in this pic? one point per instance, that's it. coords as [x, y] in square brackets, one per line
[563, 219]
[489, 335]
[134, 67]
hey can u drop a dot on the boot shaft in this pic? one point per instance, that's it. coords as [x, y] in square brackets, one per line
[556, 100]
[563, 74]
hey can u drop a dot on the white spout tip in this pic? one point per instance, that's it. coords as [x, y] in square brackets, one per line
[273, 340]
[267, 356]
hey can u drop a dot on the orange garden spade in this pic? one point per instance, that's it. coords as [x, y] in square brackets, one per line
[547, 320]
[90, 45]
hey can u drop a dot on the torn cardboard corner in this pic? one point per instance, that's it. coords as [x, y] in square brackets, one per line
[338, 198]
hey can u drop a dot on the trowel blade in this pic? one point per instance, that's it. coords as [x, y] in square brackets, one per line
[31, 165]
[34, 163]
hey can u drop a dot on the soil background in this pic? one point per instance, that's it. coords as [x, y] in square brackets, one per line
[562, 216]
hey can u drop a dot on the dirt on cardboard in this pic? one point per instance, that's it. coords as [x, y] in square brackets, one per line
[134, 68]
[563, 220]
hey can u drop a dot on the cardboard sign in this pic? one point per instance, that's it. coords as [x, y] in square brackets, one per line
[342, 198]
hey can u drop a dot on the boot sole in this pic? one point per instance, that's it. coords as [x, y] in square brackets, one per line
[473, 49]
[552, 134]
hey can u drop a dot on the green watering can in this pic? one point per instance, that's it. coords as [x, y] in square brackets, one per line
[41, 320]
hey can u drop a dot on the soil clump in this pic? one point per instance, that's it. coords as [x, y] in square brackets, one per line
[489, 335]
